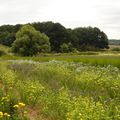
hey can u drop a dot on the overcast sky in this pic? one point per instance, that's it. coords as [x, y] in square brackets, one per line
[104, 14]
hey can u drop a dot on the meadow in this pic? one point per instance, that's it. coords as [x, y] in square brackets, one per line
[59, 89]
[69, 86]
[50, 72]
[93, 58]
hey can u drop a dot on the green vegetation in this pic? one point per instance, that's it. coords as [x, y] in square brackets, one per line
[93, 58]
[90, 38]
[66, 84]
[30, 42]
[4, 50]
[59, 91]
[61, 39]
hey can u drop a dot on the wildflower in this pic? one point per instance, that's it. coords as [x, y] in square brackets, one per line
[6, 114]
[80, 114]
[1, 114]
[25, 112]
[11, 88]
[5, 99]
[21, 104]
[16, 106]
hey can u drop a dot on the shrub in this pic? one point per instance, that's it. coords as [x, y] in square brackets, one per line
[30, 42]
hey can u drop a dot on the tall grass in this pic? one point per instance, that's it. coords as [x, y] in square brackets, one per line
[69, 91]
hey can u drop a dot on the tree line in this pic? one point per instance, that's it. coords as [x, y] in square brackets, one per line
[60, 38]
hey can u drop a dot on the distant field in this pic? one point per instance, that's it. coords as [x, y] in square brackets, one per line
[114, 46]
[95, 58]
[100, 59]
[114, 42]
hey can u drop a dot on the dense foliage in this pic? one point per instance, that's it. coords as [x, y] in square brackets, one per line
[86, 38]
[7, 34]
[56, 32]
[30, 42]
[90, 37]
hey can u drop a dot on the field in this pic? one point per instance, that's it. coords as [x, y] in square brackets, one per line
[93, 58]
[60, 87]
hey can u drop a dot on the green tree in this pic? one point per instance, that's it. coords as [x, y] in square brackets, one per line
[90, 37]
[7, 34]
[55, 31]
[30, 42]
[7, 38]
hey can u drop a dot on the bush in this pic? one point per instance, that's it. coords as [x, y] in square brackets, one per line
[30, 42]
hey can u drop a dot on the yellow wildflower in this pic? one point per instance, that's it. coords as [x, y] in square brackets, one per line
[16, 106]
[21, 104]
[25, 113]
[5, 99]
[1, 114]
[6, 114]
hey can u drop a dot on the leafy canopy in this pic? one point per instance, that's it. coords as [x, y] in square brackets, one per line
[30, 42]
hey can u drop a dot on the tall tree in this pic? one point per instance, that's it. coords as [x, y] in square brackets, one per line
[7, 38]
[93, 37]
[30, 42]
[55, 31]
